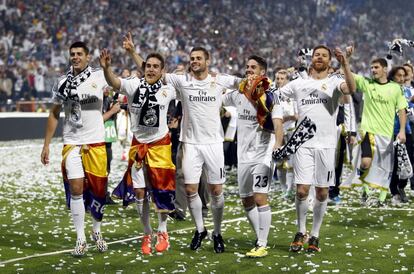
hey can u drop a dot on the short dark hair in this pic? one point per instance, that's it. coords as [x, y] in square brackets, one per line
[260, 60]
[394, 70]
[154, 55]
[80, 44]
[206, 54]
[322, 47]
[383, 63]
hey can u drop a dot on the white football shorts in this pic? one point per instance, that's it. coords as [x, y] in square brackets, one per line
[209, 157]
[73, 164]
[253, 178]
[314, 166]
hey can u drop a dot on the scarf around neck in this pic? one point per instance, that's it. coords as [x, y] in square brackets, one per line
[68, 93]
[146, 106]
[68, 90]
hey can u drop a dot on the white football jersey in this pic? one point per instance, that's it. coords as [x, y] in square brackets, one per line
[253, 143]
[201, 103]
[90, 94]
[154, 122]
[317, 99]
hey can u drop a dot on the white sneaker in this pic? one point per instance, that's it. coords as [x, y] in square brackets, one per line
[80, 248]
[101, 245]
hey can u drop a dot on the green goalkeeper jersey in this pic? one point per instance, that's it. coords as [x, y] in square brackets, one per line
[381, 102]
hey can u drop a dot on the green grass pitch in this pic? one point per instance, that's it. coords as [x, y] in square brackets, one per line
[36, 235]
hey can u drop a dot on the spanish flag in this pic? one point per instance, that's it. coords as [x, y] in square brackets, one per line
[156, 158]
[256, 89]
[95, 180]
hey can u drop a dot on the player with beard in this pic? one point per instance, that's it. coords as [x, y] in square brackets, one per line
[201, 135]
[254, 150]
[317, 97]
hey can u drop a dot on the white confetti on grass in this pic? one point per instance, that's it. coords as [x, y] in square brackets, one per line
[112, 225]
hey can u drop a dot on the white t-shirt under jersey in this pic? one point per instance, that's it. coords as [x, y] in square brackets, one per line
[201, 103]
[318, 100]
[91, 96]
[164, 95]
[252, 142]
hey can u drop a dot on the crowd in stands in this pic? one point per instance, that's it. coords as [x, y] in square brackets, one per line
[34, 35]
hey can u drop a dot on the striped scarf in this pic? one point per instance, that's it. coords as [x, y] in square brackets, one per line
[68, 90]
[404, 168]
[68, 93]
[146, 107]
[304, 132]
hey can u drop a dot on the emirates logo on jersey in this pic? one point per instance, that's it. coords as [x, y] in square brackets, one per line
[379, 99]
[88, 99]
[201, 97]
[313, 99]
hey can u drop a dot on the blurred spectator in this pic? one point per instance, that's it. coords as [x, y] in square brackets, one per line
[39, 83]
[38, 31]
[6, 86]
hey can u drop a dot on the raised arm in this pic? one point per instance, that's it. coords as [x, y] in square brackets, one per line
[349, 86]
[129, 46]
[110, 77]
[350, 120]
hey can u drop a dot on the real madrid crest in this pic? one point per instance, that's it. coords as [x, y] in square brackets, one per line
[150, 119]
[164, 93]
[324, 87]
[94, 85]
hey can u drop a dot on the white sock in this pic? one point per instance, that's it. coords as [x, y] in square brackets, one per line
[162, 221]
[281, 173]
[217, 208]
[319, 209]
[77, 209]
[265, 219]
[253, 217]
[195, 205]
[96, 225]
[289, 180]
[301, 211]
[143, 213]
